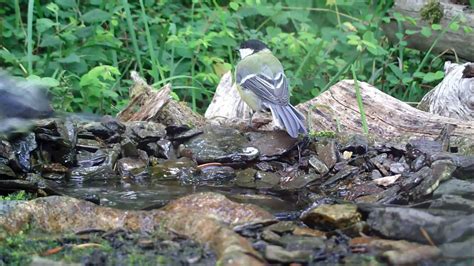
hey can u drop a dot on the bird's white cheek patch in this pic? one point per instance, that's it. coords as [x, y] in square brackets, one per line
[245, 52]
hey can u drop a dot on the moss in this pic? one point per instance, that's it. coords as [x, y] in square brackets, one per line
[432, 12]
[319, 134]
[19, 195]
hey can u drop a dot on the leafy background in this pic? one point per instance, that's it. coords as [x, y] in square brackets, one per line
[83, 51]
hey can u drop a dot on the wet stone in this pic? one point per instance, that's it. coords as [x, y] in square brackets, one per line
[22, 147]
[181, 133]
[144, 132]
[90, 145]
[131, 167]
[180, 169]
[332, 216]
[298, 181]
[264, 180]
[218, 144]
[87, 158]
[6, 172]
[216, 174]
[128, 148]
[246, 178]
[271, 144]
[93, 172]
[318, 165]
[328, 152]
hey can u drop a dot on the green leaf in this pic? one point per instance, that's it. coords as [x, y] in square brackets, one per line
[46, 82]
[234, 6]
[411, 32]
[95, 15]
[425, 31]
[398, 73]
[50, 41]
[436, 27]
[72, 58]
[430, 77]
[43, 24]
[454, 26]
[67, 3]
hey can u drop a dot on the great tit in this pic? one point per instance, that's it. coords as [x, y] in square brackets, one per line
[262, 84]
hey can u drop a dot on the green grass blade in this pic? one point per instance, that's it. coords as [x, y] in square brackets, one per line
[29, 36]
[363, 118]
[155, 63]
[131, 31]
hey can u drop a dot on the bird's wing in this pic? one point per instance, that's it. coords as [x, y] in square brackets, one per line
[271, 88]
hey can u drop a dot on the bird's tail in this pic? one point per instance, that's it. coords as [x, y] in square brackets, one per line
[289, 118]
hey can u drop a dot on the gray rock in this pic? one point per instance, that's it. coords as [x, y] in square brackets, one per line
[375, 174]
[453, 202]
[279, 254]
[440, 171]
[318, 165]
[6, 172]
[327, 152]
[459, 250]
[455, 187]
[299, 181]
[405, 223]
[397, 168]
[346, 172]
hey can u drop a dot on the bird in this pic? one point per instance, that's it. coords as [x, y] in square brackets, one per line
[263, 86]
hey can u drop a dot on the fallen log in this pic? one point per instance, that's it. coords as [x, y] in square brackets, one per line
[457, 41]
[388, 118]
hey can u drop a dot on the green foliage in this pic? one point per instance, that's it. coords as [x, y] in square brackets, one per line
[20, 195]
[84, 52]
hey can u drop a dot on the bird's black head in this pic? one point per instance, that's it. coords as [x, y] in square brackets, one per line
[250, 47]
[255, 45]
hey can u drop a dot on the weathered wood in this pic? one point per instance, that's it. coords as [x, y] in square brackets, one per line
[148, 104]
[454, 96]
[387, 117]
[227, 108]
[458, 41]
[226, 103]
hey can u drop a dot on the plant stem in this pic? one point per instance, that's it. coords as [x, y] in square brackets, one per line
[29, 36]
[363, 118]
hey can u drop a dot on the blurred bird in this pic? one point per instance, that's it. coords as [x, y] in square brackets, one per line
[262, 84]
[20, 102]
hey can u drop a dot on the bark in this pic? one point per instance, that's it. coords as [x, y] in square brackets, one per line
[388, 118]
[454, 96]
[148, 104]
[459, 41]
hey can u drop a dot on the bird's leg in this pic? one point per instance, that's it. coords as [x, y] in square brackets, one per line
[250, 119]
